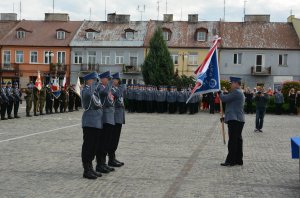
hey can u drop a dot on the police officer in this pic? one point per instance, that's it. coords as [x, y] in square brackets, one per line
[29, 98]
[108, 120]
[160, 98]
[63, 100]
[171, 99]
[42, 99]
[36, 97]
[72, 96]
[139, 98]
[91, 124]
[118, 92]
[234, 118]
[181, 100]
[9, 94]
[5, 100]
[49, 99]
[17, 94]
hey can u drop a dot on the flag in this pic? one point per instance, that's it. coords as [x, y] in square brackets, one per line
[207, 74]
[38, 82]
[55, 88]
[64, 83]
[77, 87]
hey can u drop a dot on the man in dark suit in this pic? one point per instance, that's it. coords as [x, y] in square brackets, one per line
[234, 118]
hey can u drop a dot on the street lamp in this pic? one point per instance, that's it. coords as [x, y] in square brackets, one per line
[50, 55]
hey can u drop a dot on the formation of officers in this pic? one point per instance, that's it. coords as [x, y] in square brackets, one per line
[145, 98]
[104, 114]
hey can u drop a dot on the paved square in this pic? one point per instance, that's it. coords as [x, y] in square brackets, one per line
[165, 156]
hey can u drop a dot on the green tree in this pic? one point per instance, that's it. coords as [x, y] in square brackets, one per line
[158, 68]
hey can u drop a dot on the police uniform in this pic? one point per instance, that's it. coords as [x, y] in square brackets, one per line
[181, 100]
[171, 99]
[4, 102]
[118, 93]
[9, 94]
[108, 120]
[17, 99]
[139, 99]
[160, 98]
[91, 125]
[234, 117]
[29, 98]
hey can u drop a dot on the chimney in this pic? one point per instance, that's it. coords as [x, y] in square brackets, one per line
[8, 16]
[257, 18]
[57, 17]
[193, 18]
[168, 18]
[118, 18]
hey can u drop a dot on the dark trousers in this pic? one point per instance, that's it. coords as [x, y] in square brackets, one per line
[62, 106]
[292, 107]
[160, 107]
[278, 108]
[249, 108]
[105, 140]
[149, 106]
[115, 138]
[139, 106]
[259, 121]
[235, 143]
[90, 144]
[10, 108]
[49, 106]
[172, 107]
[77, 102]
[71, 104]
[3, 110]
[56, 105]
[182, 107]
[212, 107]
[16, 107]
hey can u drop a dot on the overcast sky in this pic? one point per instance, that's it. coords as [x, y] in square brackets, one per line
[206, 9]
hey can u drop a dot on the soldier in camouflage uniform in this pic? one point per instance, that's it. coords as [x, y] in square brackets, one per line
[49, 100]
[42, 99]
[29, 97]
[36, 97]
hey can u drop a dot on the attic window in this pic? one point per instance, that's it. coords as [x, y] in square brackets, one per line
[90, 35]
[167, 34]
[60, 35]
[21, 34]
[129, 35]
[201, 34]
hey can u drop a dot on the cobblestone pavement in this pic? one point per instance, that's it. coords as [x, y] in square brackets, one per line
[165, 156]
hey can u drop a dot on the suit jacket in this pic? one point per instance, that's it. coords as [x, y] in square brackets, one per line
[118, 93]
[107, 99]
[235, 101]
[92, 116]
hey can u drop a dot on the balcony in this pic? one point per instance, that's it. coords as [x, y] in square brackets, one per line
[260, 71]
[90, 67]
[128, 69]
[58, 68]
[9, 68]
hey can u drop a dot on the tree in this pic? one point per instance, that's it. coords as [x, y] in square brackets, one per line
[158, 68]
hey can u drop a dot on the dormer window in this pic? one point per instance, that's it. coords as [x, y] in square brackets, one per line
[201, 34]
[166, 34]
[129, 35]
[90, 33]
[21, 34]
[60, 35]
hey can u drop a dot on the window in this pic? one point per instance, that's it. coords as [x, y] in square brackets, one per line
[61, 35]
[166, 35]
[119, 58]
[20, 34]
[237, 58]
[175, 59]
[61, 57]
[6, 58]
[133, 58]
[19, 56]
[78, 58]
[201, 36]
[259, 60]
[283, 59]
[90, 35]
[193, 59]
[33, 57]
[48, 57]
[105, 58]
[91, 58]
[129, 35]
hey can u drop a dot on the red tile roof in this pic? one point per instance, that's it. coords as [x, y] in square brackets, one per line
[42, 33]
[6, 26]
[259, 35]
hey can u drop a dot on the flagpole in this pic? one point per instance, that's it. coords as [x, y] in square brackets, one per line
[222, 121]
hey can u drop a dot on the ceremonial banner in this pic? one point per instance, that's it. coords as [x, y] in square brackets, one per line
[64, 83]
[38, 83]
[55, 88]
[77, 87]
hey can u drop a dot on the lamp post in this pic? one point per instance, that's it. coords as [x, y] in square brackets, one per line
[50, 55]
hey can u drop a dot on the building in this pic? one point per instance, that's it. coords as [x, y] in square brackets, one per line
[33, 46]
[116, 45]
[188, 41]
[7, 22]
[263, 53]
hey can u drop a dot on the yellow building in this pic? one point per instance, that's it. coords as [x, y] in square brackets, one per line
[296, 24]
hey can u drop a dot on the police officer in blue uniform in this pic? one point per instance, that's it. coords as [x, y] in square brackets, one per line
[91, 124]
[5, 100]
[171, 99]
[118, 92]
[234, 118]
[10, 105]
[107, 99]
[17, 94]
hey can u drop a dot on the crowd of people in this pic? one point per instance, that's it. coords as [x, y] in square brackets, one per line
[43, 101]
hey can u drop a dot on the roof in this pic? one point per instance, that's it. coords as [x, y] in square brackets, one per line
[259, 35]
[6, 26]
[42, 33]
[183, 33]
[111, 34]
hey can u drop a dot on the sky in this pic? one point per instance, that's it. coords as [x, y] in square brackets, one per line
[208, 10]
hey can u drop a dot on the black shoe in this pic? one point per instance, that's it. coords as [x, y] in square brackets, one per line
[93, 171]
[17, 116]
[36, 114]
[88, 172]
[42, 114]
[260, 130]
[227, 164]
[4, 119]
[122, 163]
[9, 117]
[113, 163]
[102, 169]
[28, 115]
[109, 168]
